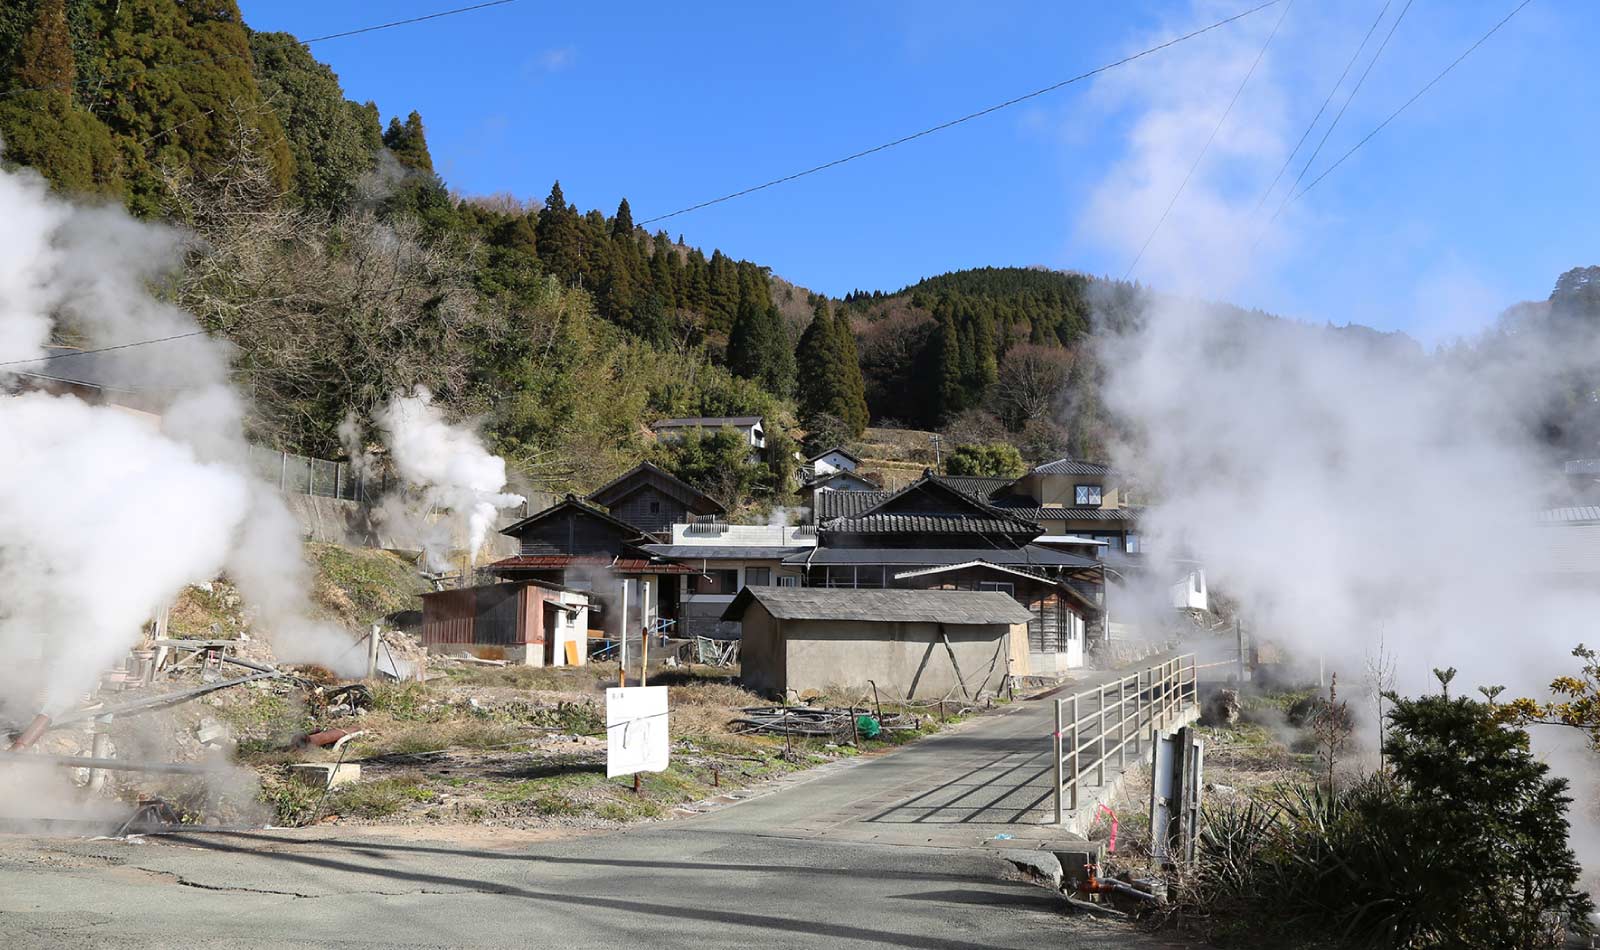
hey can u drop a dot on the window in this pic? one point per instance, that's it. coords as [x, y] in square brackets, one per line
[1087, 495]
[1130, 543]
[758, 577]
[714, 582]
[655, 507]
[1199, 581]
[788, 580]
[1001, 586]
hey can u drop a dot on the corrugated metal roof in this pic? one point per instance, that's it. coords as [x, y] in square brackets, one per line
[1073, 467]
[1034, 554]
[557, 562]
[712, 552]
[1577, 514]
[885, 606]
[1582, 467]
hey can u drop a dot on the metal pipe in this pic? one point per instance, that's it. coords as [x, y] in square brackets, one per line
[153, 702]
[31, 734]
[115, 765]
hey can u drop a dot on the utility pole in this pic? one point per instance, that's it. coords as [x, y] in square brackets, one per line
[1238, 634]
[622, 636]
[938, 460]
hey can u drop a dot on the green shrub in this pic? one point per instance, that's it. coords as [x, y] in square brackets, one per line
[1464, 845]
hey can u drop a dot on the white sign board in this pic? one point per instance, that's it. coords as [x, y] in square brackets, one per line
[636, 730]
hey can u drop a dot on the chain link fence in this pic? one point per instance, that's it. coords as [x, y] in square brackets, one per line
[323, 478]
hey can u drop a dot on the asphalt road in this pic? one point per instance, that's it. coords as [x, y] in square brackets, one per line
[845, 858]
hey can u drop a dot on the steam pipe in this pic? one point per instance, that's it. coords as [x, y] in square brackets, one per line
[30, 735]
[119, 765]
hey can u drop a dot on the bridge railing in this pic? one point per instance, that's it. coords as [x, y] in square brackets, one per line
[1101, 723]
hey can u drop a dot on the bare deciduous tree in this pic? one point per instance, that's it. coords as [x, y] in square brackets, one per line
[1030, 383]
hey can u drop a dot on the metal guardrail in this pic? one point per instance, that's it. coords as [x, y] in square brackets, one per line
[1148, 702]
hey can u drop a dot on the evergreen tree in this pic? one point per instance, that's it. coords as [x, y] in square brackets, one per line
[778, 372]
[747, 340]
[560, 244]
[41, 127]
[622, 224]
[949, 395]
[329, 136]
[44, 57]
[816, 365]
[854, 397]
[409, 143]
[191, 118]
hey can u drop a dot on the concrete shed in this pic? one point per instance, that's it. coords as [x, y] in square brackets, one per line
[909, 642]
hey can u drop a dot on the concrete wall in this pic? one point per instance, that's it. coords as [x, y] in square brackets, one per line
[906, 660]
[350, 523]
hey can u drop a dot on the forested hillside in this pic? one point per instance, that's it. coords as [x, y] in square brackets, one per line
[344, 268]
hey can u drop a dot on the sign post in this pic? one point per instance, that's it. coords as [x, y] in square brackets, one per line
[637, 739]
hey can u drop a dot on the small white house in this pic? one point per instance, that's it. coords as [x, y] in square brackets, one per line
[728, 558]
[1189, 592]
[836, 459]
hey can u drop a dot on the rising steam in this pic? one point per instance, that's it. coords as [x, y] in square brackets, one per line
[106, 514]
[1339, 482]
[453, 486]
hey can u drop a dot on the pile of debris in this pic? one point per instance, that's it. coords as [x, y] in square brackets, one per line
[824, 723]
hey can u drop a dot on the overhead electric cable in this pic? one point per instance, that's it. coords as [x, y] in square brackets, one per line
[966, 118]
[1418, 95]
[1289, 159]
[1340, 114]
[1207, 147]
[306, 42]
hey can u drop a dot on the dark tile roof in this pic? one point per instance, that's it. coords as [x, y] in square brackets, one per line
[706, 422]
[646, 473]
[571, 502]
[1073, 514]
[877, 523]
[1073, 467]
[979, 487]
[954, 511]
[829, 505]
[884, 605]
[856, 484]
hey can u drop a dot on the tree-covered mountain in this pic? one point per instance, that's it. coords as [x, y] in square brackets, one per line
[343, 268]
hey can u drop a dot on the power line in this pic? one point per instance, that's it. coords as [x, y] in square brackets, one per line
[958, 121]
[103, 349]
[1290, 194]
[1209, 139]
[306, 42]
[1418, 95]
[1288, 159]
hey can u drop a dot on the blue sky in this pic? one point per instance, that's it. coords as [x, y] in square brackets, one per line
[1479, 196]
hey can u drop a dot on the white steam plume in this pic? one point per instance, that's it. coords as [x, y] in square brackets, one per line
[449, 473]
[106, 514]
[1338, 482]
